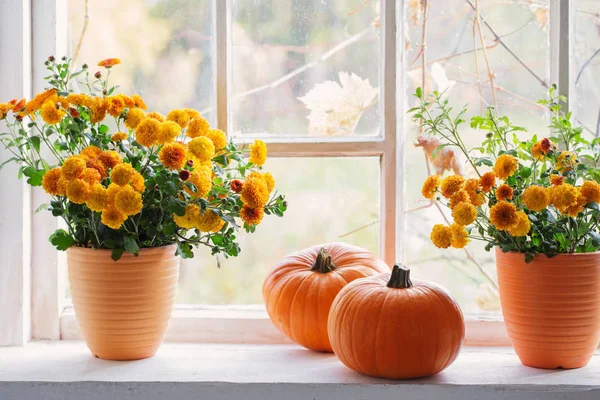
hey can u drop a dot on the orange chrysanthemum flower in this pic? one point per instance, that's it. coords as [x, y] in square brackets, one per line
[50, 182]
[430, 185]
[464, 213]
[536, 198]
[110, 158]
[556, 180]
[487, 181]
[590, 190]
[505, 166]
[251, 216]
[172, 155]
[451, 184]
[109, 62]
[504, 192]
[503, 215]
[441, 236]
[236, 185]
[255, 193]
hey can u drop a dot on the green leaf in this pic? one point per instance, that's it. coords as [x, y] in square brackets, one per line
[34, 176]
[61, 240]
[41, 207]
[116, 254]
[103, 129]
[131, 245]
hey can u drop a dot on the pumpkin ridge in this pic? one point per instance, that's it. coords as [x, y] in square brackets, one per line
[377, 330]
[343, 355]
[357, 308]
[289, 314]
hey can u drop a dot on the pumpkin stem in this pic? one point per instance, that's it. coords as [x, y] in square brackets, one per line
[400, 278]
[323, 263]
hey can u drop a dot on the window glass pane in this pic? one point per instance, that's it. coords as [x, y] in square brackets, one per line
[520, 64]
[283, 51]
[165, 47]
[330, 199]
[586, 65]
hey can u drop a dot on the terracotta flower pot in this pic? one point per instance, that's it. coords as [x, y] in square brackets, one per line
[123, 307]
[551, 307]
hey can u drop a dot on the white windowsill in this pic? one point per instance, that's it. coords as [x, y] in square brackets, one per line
[65, 370]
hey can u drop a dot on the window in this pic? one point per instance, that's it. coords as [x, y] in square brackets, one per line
[269, 69]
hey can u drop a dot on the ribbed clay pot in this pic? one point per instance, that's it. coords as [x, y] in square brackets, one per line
[551, 307]
[123, 307]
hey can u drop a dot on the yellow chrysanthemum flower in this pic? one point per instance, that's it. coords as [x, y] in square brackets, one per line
[128, 101]
[137, 182]
[202, 147]
[441, 236]
[52, 113]
[78, 191]
[134, 117]
[167, 132]
[110, 158]
[36, 103]
[563, 196]
[475, 196]
[521, 227]
[114, 105]
[91, 152]
[50, 182]
[270, 181]
[128, 201]
[536, 151]
[181, 117]
[122, 174]
[73, 167]
[79, 99]
[146, 133]
[98, 198]
[503, 215]
[566, 161]
[258, 152]
[139, 102]
[119, 136]
[192, 113]
[487, 182]
[460, 236]
[172, 155]
[97, 107]
[590, 190]
[156, 115]
[556, 180]
[251, 216]
[462, 196]
[188, 220]
[505, 166]
[91, 176]
[209, 221]
[197, 127]
[504, 192]
[430, 185]
[255, 193]
[201, 178]
[536, 198]
[464, 213]
[111, 192]
[576, 208]
[112, 217]
[451, 184]
[218, 138]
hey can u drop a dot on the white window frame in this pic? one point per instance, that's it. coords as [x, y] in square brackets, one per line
[40, 279]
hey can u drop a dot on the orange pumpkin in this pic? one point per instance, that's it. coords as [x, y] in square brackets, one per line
[387, 326]
[299, 291]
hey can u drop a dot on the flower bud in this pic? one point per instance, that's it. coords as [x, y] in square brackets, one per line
[84, 66]
[51, 59]
[64, 58]
[190, 163]
[184, 174]
[98, 75]
[155, 187]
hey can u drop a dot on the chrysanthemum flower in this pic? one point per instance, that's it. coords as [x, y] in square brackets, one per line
[91, 152]
[503, 215]
[128, 101]
[128, 201]
[78, 191]
[464, 213]
[460, 236]
[546, 145]
[487, 182]
[563, 196]
[98, 198]
[451, 184]
[172, 155]
[156, 115]
[122, 174]
[462, 196]
[146, 132]
[566, 161]
[236, 185]
[576, 208]
[536, 151]
[73, 167]
[192, 113]
[36, 103]
[557, 180]
[505, 166]
[96, 164]
[114, 105]
[201, 178]
[521, 227]
[202, 147]
[188, 220]
[197, 127]
[255, 193]
[111, 192]
[109, 62]
[218, 138]
[258, 152]
[50, 182]
[119, 136]
[91, 176]
[137, 182]
[139, 102]
[590, 190]
[504, 192]
[209, 221]
[251, 216]
[269, 180]
[52, 113]
[475, 196]
[181, 117]
[97, 109]
[134, 117]
[112, 217]
[441, 236]
[430, 185]
[167, 132]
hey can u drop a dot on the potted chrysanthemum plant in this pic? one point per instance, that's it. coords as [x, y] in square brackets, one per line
[535, 201]
[133, 200]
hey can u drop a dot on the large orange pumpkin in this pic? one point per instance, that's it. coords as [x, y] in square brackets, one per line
[387, 326]
[299, 291]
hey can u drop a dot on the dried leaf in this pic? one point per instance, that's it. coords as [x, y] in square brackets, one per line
[444, 160]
